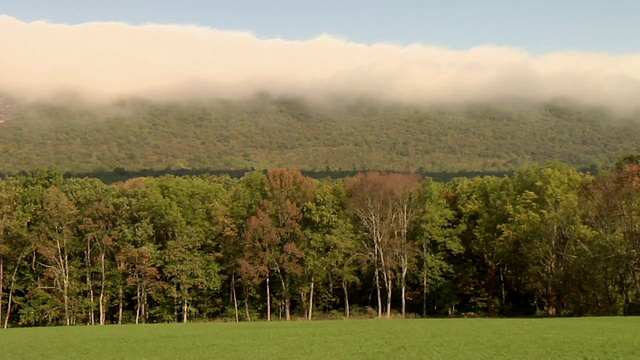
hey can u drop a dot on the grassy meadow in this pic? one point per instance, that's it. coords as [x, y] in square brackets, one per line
[572, 338]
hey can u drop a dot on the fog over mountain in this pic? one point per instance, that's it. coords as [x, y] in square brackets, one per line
[103, 61]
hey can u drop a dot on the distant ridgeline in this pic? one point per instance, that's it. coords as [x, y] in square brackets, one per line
[265, 132]
[120, 174]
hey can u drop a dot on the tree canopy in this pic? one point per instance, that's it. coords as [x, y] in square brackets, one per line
[264, 132]
[547, 240]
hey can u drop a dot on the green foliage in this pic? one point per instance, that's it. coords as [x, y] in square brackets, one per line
[548, 240]
[438, 242]
[144, 137]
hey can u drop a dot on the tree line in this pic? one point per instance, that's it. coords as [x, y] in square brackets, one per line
[147, 136]
[547, 240]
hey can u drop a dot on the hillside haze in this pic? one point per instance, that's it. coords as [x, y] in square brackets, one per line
[104, 61]
[264, 131]
[98, 96]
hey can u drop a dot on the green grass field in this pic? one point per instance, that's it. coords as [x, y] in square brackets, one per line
[575, 338]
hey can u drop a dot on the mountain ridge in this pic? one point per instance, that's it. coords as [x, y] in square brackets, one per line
[265, 132]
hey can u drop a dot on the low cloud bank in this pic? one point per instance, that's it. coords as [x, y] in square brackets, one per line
[115, 60]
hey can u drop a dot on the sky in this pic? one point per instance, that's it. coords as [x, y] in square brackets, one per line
[538, 26]
[403, 51]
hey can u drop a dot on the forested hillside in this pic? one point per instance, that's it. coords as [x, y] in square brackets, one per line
[263, 132]
[544, 241]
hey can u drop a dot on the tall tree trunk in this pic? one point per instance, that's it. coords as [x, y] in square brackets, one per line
[145, 308]
[66, 303]
[11, 288]
[92, 319]
[346, 298]
[102, 284]
[286, 298]
[425, 281]
[65, 294]
[185, 309]
[246, 303]
[62, 271]
[9, 302]
[138, 303]
[268, 299]
[389, 288]
[235, 298]
[424, 294]
[311, 298]
[121, 271]
[1, 285]
[120, 303]
[504, 291]
[386, 275]
[406, 219]
[404, 293]
[303, 300]
[176, 304]
[550, 288]
[6, 319]
[287, 307]
[403, 283]
[490, 289]
[377, 277]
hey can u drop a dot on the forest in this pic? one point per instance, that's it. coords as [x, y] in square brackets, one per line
[140, 136]
[278, 245]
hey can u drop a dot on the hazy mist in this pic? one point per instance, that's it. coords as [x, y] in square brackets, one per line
[112, 60]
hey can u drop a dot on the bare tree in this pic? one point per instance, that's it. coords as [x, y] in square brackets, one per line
[386, 205]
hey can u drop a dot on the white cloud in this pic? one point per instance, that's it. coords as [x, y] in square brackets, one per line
[107, 60]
